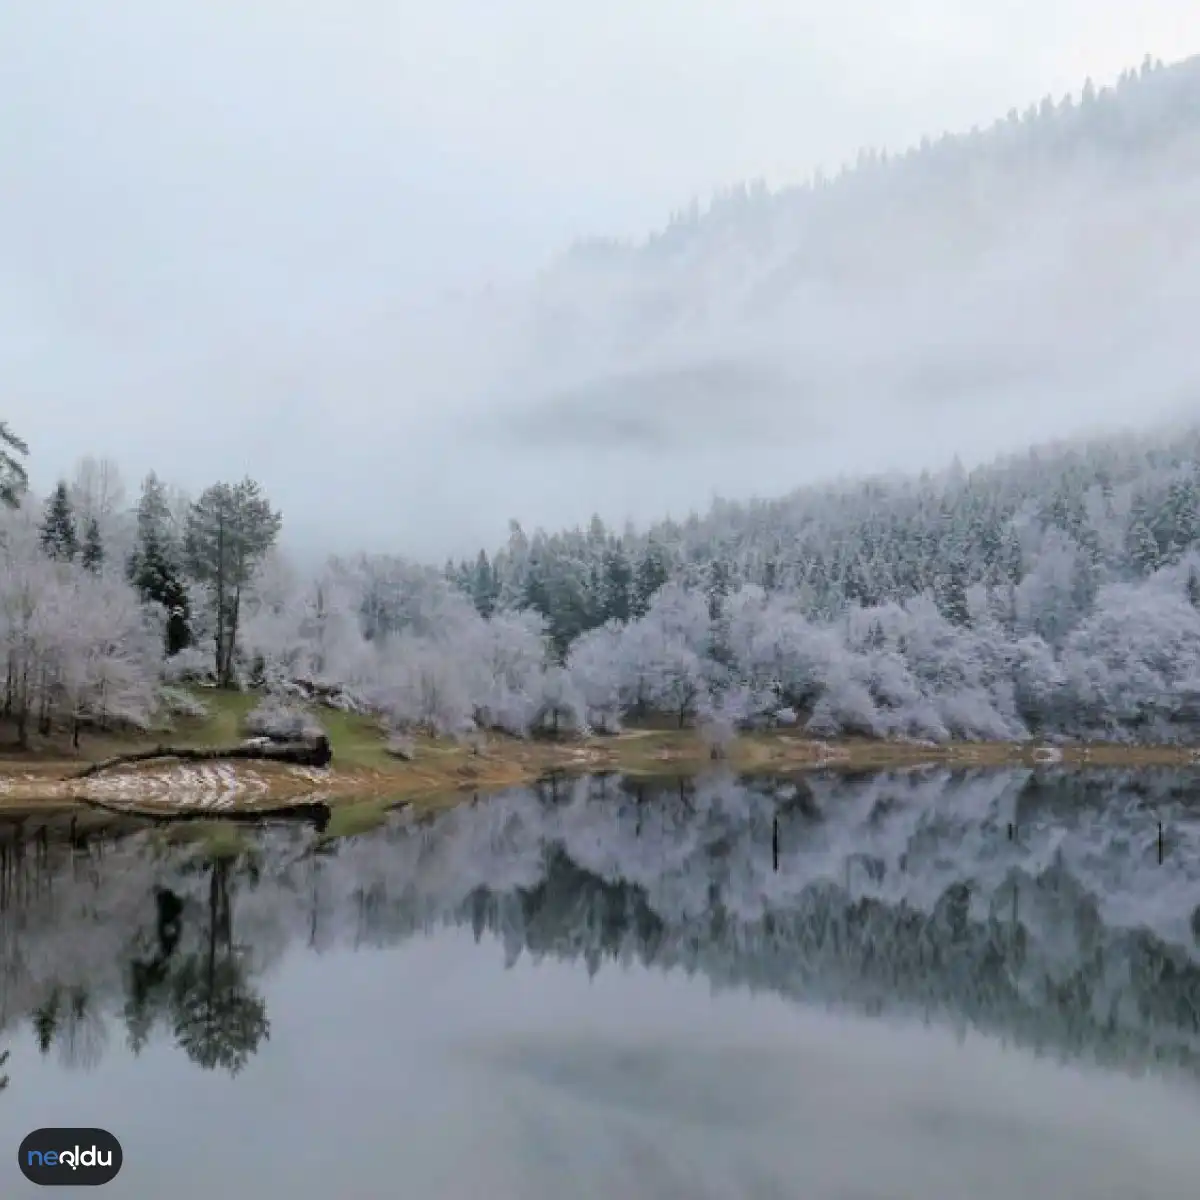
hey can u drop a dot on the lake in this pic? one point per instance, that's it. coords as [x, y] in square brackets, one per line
[918, 984]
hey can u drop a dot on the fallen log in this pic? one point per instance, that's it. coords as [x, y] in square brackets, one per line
[313, 753]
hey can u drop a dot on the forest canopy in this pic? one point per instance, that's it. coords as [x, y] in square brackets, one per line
[1055, 594]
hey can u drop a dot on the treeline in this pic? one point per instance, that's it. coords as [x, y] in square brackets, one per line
[1054, 594]
[95, 598]
[1042, 531]
[1144, 116]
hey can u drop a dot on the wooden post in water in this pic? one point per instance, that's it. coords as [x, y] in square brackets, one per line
[775, 842]
[1160, 843]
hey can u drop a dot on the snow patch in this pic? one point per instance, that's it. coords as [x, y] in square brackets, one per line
[215, 786]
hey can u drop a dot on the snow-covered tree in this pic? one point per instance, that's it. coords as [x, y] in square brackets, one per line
[155, 566]
[14, 479]
[229, 531]
[58, 535]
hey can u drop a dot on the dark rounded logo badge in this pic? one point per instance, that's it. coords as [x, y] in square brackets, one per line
[70, 1157]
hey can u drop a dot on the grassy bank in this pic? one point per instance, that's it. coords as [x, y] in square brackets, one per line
[363, 774]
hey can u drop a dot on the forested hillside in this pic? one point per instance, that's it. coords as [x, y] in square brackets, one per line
[1053, 594]
[1049, 262]
[982, 292]
[1091, 194]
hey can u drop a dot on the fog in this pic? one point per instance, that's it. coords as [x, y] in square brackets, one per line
[329, 251]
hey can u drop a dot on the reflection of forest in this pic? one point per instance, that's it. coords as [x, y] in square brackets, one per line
[182, 971]
[888, 897]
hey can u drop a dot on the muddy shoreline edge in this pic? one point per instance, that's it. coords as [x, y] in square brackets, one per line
[443, 772]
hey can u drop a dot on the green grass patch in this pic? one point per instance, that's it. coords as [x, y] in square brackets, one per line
[223, 725]
[211, 839]
[349, 820]
[355, 739]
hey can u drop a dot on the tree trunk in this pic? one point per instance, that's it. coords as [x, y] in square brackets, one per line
[231, 636]
[220, 599]
[23, 711]
[44, 706]
[313, 753]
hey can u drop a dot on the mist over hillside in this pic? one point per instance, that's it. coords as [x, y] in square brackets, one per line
[982, 292]
[973, 294]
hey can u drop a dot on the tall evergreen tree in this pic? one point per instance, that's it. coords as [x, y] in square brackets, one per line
[155, 567]
[951, 595]
[616, 586]
[483, 586]
[13, 478]
[720, 583]
[91, 555]
[57, 533]
[230, 529]
[652, 572]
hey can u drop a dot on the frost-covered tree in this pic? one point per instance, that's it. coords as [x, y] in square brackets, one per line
[91, 552]
[77, 647]
[229, 531]
[97, 491]
[58, 536]
[155, 567]
[14, 479]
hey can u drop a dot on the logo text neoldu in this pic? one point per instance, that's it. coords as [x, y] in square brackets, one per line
[70, 1157]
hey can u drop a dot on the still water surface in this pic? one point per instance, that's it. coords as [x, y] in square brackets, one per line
[840, 989]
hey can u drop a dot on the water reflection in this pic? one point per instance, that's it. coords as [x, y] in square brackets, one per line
[1028, 905]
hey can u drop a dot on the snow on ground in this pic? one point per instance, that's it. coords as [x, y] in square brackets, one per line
[215, 787]
[210, 786]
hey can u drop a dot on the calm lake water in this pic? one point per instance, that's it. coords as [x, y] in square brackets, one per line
[831, 989]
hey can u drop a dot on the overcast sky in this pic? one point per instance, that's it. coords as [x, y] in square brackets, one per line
[213, 214]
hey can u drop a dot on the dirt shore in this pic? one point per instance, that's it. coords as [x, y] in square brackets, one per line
[443, 771]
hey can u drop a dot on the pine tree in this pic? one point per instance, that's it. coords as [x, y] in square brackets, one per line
[616, 584]
[91, 556]
[154, 567]
[651, 574]
[1143, 547]
[952, 595]
[230, 529]
[483, 586]
[58, 536]
[720, 583]
[13, 477]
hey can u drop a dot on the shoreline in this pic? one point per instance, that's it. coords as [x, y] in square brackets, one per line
[444, 772]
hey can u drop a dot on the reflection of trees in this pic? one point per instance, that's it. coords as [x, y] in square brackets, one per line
[218, 1020]
[72, 1019]
[669, 877]
[82, 1030]
[45, 1019]
[87, 924]
[147, 977]
[1123, 998]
